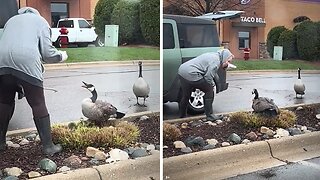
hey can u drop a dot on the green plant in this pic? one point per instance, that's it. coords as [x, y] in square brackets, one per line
[126, 15]
[285, 119]
[308, 40]
[83, 135]
[288, 40]
[272, 38]
[170, 132]
[150, 21]
[102, 15]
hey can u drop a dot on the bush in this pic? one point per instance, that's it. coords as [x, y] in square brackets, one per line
[285, 119]
[82, 135]
[170, 132]
[102, 15]
[288, 39]
[150, 21]
[126, 15]
[272, 38]
[308, 38]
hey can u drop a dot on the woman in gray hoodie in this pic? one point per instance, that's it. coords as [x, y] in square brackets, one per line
[24, 45]
[200, 73]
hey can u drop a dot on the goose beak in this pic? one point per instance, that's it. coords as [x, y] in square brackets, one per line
[85, 85]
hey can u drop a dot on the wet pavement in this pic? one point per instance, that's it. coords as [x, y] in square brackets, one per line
[64, 93]
[306, 170]
[275, 85]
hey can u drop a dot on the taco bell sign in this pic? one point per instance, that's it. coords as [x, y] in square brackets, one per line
[253, 20]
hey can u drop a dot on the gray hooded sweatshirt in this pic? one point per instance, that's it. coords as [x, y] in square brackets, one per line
[25, 43]
[204, 66]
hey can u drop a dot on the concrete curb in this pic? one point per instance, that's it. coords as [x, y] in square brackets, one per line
[130, 117]
[272, 71]
[142, 168]
[98, 63]
[244, 158]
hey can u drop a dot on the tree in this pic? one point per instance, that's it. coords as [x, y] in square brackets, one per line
[200, 7]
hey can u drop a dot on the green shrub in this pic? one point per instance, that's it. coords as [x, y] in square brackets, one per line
[273, 37]
[150, 21]
[288, 39]
[170, 132]
[308, 39]
[83, 135]
[126, 15]
[102, 15]
[285, 119]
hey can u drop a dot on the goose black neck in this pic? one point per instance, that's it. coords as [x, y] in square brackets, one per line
[256, 94]
[94, 96]
[299, 77]
[140, 70]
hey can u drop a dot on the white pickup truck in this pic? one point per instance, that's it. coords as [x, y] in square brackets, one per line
[80, 33]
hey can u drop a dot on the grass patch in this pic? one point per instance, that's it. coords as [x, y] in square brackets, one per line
[274, 65]
[89, 54]
[82, 135]
[285, 119]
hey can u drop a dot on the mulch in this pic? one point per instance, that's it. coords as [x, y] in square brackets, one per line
[221, 132]
[28, 156]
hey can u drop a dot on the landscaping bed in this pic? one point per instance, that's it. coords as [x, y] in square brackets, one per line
[27, 157]
[196, 134]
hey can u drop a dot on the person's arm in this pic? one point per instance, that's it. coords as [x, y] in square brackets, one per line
[211, 73]
[48, 52]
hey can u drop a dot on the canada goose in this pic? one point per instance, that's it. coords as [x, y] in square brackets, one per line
[98, 111]
[299, 87]
[264, 105]
[141, 87]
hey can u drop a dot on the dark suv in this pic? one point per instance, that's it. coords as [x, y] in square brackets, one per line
[183, 39]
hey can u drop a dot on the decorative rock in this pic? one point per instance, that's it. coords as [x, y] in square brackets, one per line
[158, 147]
[179, 144]
[264, 130]
[118, 155]
[9, 143]
[100, 156]
[48, 165]
[245, 141]
[224, 144]
[186, 150]
[281, 133]
[234, 138]
[303, 128]
[141, 152]
[144, 145]
[64, 169]
[24, 142]
[210, 123]
[14, 145]
[219, 121]
[91, 151]
[192, 141]
[151, 147]
[14, 171]
[94, 161]
[184, 125]
[318, 116]
[11, 178]
[129, 150]
[252, 136]
[33, 174]
[37, 138]
[165, 147]
[209, 146]
[213, 142]
[196, 124]
[294, 131]
[84, 158]
[73, 161]
[144, 117]
[31, 137]
[299, 108]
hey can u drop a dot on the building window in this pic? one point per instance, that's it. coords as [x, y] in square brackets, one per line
[168, 39]
[58, 11]
[244, 40]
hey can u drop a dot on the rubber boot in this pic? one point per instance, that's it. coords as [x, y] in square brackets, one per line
[208, 110]
[6, 112]
[44, 130]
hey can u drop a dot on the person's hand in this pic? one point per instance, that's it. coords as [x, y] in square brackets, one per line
[64, 56]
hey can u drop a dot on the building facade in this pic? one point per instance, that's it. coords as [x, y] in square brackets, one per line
[53, 10]
[250, 30]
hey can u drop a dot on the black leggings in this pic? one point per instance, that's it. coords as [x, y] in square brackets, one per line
[33, 94]
[188, 87]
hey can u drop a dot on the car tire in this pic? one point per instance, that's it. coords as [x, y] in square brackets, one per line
[196, 102]
[99, 42]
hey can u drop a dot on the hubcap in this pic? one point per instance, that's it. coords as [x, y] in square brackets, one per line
[196, 100]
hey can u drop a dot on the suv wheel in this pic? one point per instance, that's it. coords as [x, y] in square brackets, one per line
[196, 102]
